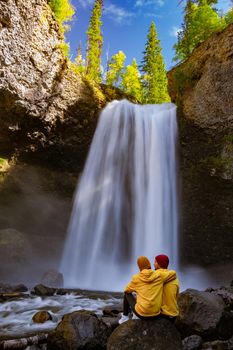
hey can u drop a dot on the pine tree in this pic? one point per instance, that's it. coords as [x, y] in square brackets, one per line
[63, 12]
[200, 21]
[115, 68]
[154, 79]
[95, 43]
[131, 82]
[79, 61]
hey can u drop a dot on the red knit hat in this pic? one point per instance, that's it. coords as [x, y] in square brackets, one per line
[162, 260]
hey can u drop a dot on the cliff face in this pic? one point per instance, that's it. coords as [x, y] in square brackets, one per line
[202, 87]
[48, 116]
[44, 105]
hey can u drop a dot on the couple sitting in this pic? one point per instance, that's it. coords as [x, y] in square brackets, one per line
[156, 291]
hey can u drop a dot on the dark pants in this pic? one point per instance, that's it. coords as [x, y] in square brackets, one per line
[129, 303]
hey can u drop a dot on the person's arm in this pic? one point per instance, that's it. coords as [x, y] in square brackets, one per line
[167, 275]
[131, 286]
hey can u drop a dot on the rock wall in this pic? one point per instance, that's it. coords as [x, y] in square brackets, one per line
[202, 87]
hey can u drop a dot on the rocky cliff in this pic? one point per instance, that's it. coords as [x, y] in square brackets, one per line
[48, 115]
[202, 87]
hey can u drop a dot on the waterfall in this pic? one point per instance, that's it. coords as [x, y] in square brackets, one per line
[125, 203]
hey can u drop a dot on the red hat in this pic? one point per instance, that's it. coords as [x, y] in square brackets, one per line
[162, 260]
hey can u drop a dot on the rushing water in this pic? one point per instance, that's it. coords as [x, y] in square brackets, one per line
[125, 204]
[16, 316]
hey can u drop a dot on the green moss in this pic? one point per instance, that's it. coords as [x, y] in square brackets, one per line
[228, 138]
[183, 78]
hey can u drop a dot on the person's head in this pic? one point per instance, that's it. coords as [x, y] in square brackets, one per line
[143, 263]
[161, 261]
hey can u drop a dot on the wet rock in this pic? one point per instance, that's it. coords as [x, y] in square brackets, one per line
[158, 334]
[226, 293]
[225, 325]
[42, 317]
[217, 345]
[194, 342]
[42, 290]
[200, 313]
[52, 278]
[113, 310]
[79, 330]
[7, 288]
[111, 322]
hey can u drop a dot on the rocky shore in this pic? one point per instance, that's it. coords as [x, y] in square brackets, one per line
[205, 322]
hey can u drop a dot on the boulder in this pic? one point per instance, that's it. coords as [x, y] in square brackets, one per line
[200, 313]
[43, 291]
[218, 345]
[52, 278]
[194, 342]
[7, 288]
[79, 330]
[42, 317]
[158, 334]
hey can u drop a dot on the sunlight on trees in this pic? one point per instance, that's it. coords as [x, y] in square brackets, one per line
[115, 68]
[154, 79]
[63, 12]
[131, 83]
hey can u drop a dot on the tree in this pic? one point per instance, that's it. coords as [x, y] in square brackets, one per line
[63, 12]
[131, 82]
[154, 79]
[115, 68]
[200, 21]
[79, 61]
[95, 43]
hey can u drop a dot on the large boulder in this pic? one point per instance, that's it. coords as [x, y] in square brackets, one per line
[79, 330]
[201, 313]
[43, 291]
[52, 278]
[158, 334]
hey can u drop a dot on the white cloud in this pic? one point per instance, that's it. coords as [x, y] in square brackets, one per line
[149, 3]
[118, 14]
[85, 3]
[174, 31]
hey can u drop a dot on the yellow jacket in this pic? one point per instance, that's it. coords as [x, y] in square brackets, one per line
[148, 285]
[170, 295]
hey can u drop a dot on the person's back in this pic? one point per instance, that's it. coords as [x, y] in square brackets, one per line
[170, 294]
[170, 289]
[148, 285]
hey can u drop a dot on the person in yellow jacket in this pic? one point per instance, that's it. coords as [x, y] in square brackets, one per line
[169, 306]
[148, 286]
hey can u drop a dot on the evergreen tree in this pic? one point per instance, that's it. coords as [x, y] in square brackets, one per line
[63, 12]
[95, 43]
[131, 82]
[154, 79]
[200, 21]
[115, 68]
[229, 15]
[79, 61]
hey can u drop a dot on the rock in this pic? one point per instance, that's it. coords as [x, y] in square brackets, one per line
[201, 87]
[111, 322]
[52, 278]
[43, 291]
[225, 325]
[79, 330]
[7, 288]
[158, 334]
[194, 342]
[200, 313]
[216, 345]
[42, 317]
[113, 310]
[226, 293]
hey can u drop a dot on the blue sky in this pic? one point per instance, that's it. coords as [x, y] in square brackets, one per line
[126, 23]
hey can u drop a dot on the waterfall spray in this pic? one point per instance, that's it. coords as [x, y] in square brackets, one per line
[126, 203]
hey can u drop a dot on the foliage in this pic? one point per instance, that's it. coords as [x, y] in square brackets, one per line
[131, 83]
[94, 43]
[63, 11]
[115, 69]
[79, 61]
[154, 79]
[200, 21]
[229, 17]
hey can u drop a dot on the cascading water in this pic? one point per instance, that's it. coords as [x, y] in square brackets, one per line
[125, 205]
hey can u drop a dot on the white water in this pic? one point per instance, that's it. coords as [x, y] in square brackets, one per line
[16, 316]
[125, 205]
